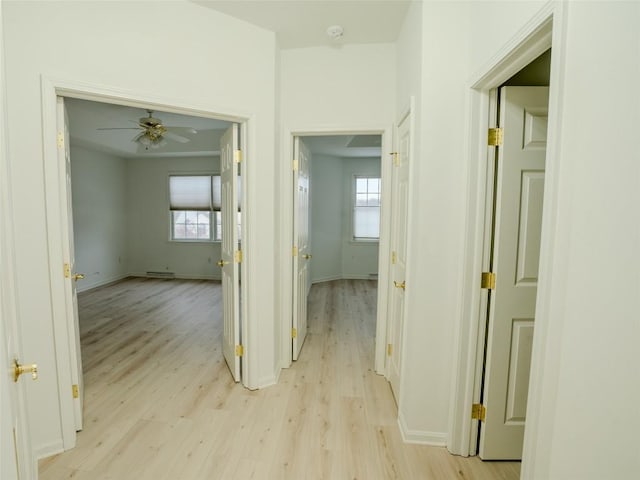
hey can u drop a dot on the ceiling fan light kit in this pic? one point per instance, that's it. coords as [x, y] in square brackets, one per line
[154, 132]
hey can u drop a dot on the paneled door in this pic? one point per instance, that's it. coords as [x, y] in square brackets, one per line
[230, 251]
[399, 221]
[518, 194]
[71, 277]
[302, 255]
[16, 455]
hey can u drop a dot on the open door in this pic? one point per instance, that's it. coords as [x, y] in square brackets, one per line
[71, 277]
[399, 219]
[16, 456]
[518, 194]
[301, 254]
[231, 253]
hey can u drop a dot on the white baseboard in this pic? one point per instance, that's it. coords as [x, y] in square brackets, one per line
[331, 278]
[83, 287]
[181, 276]
[48, 449]
[436, 439]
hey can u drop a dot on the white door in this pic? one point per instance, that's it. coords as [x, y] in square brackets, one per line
[71, 277]
[302, 255]
[16, 455]
[399, 220]
[231, 253]
[518, 218]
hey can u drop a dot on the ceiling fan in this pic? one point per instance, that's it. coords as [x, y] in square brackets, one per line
[153, 134]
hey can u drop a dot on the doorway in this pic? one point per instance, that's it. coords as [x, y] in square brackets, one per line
[531, 44]
[59, 216]
[342, 162]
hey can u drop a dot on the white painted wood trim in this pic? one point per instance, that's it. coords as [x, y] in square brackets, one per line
[543, 379]
[436, 439]
[532, 40]
[51, 88]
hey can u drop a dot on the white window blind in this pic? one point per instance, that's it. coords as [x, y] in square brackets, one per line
[191, 192]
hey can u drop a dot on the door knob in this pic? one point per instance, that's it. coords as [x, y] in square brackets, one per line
[20, 369]
[222, 263]
[307, 256]
[399, 285]
[78, 276]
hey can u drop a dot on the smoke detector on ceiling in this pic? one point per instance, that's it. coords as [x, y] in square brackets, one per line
[335, 32]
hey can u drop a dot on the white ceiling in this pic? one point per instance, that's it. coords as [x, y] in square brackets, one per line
[303, 23]
[86, 118]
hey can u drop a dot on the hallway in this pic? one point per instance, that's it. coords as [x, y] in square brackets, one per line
[160, 403]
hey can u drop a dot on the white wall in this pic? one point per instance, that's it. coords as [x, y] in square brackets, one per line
[327, 89]
[99, 216]
[590, 348]
[149, 247]
[98, 43]
[335, 254]
[590, 359]
[326, 219]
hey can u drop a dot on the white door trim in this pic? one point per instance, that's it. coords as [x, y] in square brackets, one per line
[547, 29]
[55, 195]
[286, 234]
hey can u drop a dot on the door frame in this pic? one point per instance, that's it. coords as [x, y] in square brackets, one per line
[56, 200]
[546, 30]
[286, 235]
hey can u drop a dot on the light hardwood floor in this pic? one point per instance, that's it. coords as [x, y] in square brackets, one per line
[160, 403]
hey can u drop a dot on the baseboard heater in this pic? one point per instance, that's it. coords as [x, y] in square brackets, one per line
[161, 275]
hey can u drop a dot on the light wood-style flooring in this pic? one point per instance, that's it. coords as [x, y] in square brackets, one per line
[160, 403]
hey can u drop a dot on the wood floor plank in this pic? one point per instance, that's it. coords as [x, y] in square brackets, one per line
[160, 403]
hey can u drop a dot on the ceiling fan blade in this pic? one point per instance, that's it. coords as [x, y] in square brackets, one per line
[177, 138]
[137, 137]
[119, 128]
[187, 130]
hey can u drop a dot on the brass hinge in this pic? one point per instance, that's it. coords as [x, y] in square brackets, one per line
[294, 251]
[294, 333]
[237, 256]
[237, 156]
[488, 280]
[67, 270]
[389, 349]
[395, 158]
[495, 137]
[295, 165]
[394, 258]
[478, 412]
[60, 140]
[239, 350]
[75, 391]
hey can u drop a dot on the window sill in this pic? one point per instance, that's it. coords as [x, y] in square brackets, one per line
[364, 241]
[194, 242]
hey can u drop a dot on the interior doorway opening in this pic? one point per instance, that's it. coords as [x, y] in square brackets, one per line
[338, 216]
[60, 216]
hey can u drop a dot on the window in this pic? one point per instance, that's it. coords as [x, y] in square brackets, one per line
[195, 206]
[366, 208]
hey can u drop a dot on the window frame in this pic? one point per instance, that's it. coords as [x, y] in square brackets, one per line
[354, 192]
[215, 234]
